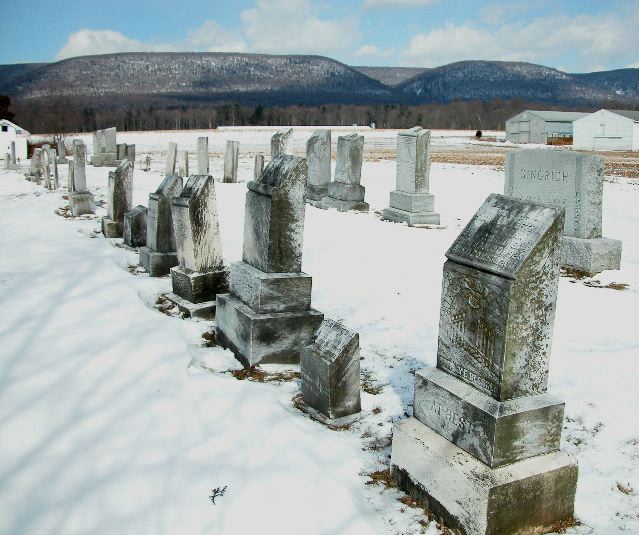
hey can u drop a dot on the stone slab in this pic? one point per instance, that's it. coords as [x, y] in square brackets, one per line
[112, 229]
[345, 206]
[135, 225]
[348, 164]
[254, 338]
[160, 234]
[590, 256]
[346, 192]
[205, 310]
[81, 203]
[316, 193]
[105, 159]
[412, 218]
[318, 156]
[412, 202]
[157, 263]
[199, 287]
[526, 497]
[496, 433]
[270, 292]
[413, 160]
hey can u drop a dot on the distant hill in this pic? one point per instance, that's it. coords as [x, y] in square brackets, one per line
[133, 81]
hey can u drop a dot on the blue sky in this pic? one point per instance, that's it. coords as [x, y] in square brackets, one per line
[576, 36]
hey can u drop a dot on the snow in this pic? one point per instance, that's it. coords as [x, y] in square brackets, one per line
[115, 419]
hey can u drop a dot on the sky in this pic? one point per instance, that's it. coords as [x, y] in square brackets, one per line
[571, 35]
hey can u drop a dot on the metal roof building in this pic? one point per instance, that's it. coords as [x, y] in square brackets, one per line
[608, 130]
[533, 126]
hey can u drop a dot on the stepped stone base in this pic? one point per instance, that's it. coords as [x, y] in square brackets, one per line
[315, 194]
[345, 206]
[112, 229]
[198, 287]
[590, 256]
[81, 203]
[275, 337]
[155, 263]
[412, 218]
[205, 310]
[526, 497]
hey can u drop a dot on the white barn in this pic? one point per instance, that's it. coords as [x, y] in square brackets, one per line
[607, 130]
[12, 132]
[533, 126]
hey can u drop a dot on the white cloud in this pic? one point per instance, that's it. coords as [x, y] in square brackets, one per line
[209, 37]
[294, 26]
[592, 40]
[371, 51]
[371, 4]
[634, 65]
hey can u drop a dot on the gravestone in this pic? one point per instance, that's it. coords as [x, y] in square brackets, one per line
[318, 156]
[183, 163]
[160, 254]
[345, 192]
[200, 274]
[121, 151]
[13, 153]
[411, 201]
[146, 166]
[202, 155]
[135, 227]
[119, 200]
[266, 316]
[129, 153]
[259, 166]
[70, 176]
[46, 166]
[54, 168]
[329, 367]
[80, 199]
[35, 167]
[105, 148]
[574, 181]
[171, 159]
[230, 161]
[280, 141]
[62, 152]
[482, 448]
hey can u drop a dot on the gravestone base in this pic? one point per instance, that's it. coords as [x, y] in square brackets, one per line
[105, 159]
[155, 263]
[315, 195]
[112, 229]
[199, 287]
[412, 218]
[345, 206]
[274, 337]
[526, 497]
[81, 203]
[205, 310]
[495, 432]
[590, 256]
[13, 167]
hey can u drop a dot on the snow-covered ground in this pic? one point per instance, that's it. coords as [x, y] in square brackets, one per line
[114, 417]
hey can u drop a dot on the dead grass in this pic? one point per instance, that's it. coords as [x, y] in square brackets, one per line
[620, 286]
[209, 339]
[64, 211]
[368, 384]
[381, 477]
[626, 489]
[573, 274]
[258, 375]
[564, 525]
[164, 305]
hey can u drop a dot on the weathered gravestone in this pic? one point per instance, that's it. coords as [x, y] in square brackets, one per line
[202, 155]
[574, 181]
[259, 166]
[482, 448]
[70, 176]
[200, 274]
[146, 166]
[171, 159]
[329, 367]
[411, 201]
[105, 148]
[318, 156]
[121, 151]
[135, 223]
[119, 200]
[160, 255]
[231, 157]
[129, 153]
[46, 166]
[62, 152]
[183, 163]
[54, 168]
[266, 316]
[280, 141]
[14, 163]
[345, 192]
[35, 167]
[80, 199]
[7, 160]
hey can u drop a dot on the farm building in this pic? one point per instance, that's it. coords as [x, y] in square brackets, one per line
[531, 126]
[608, 130]
[12, 132]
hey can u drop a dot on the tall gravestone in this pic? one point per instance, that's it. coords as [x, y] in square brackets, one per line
[35, 167]
[203, 155]
[7, 160]
[345, 192]
[10, 160]
[200, 274]
[119, 200]
[258, 167]
[171, 159]
[160, 254]
[80, 199]
[46, 166]
[574, 181]
[54, 168]
[121, 151]
[13, 153]
[329, 368]
[318, 156]
[61, 151]
[135, 223]
[280, 141]
[411, 201]
[231, 157]
[105, 148]
[183, 163]
[70, 176]
[482, 447]
[266, 316]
